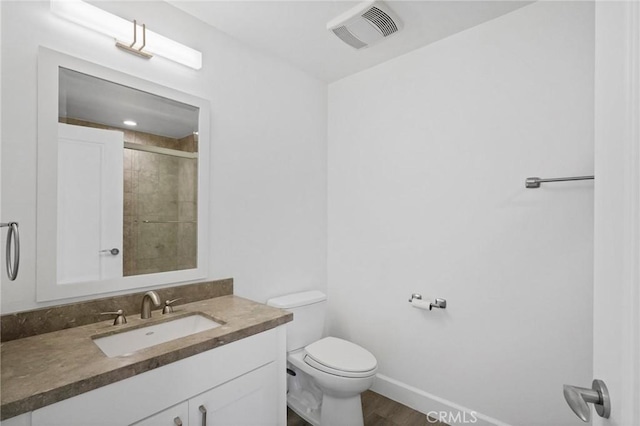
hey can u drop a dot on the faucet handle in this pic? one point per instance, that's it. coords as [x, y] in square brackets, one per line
[120, 318]
[167, 305]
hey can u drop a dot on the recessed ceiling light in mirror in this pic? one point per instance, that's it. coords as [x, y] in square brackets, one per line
[129, 123]
[90, 99]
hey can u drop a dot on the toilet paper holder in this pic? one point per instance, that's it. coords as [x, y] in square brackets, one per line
[437, 303]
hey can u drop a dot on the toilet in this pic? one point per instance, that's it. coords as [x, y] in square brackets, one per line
[325, 375]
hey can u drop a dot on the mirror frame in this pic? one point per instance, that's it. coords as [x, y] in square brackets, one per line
[47, 288]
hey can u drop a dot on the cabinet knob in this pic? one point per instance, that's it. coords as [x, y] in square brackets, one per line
[177, 421]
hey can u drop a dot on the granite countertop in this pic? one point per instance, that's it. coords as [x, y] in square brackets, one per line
[40, 370]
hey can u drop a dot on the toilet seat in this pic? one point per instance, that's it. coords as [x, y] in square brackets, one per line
[340, 357]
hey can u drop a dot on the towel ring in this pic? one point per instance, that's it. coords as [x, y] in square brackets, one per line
[12, 236]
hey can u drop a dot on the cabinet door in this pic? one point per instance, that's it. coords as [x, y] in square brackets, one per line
[21, 420]
[178, 415]
[249, 400]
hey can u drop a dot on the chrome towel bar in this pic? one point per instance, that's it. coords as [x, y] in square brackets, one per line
[534, 182]
[166, 221]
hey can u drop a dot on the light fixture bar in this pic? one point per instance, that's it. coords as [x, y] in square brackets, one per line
[99, 20]
[129, 47]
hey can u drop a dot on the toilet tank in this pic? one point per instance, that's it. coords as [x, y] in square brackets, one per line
[309, 311]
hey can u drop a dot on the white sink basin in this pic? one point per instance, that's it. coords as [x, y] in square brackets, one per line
[130, 341]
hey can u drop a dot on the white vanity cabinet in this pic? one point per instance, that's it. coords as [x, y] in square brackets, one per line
[248, 400]
[21, 420]
[241, 383]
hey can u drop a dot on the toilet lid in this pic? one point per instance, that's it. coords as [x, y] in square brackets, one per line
[337, 356]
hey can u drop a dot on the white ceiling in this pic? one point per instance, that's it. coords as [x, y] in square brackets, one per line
[296, 30]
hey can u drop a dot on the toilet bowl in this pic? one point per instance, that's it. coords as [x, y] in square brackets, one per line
[327, 375]
[342, 371]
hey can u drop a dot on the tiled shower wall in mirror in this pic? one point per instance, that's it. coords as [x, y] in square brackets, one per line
[159, 213]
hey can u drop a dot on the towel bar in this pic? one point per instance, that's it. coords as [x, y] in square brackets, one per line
[534, 182]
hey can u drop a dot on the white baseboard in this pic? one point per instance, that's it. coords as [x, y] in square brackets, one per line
[436, 407]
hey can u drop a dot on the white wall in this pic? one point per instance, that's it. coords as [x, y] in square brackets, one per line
[428, 154]
[268, 208]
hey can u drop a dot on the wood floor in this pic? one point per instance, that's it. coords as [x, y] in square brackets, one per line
[379, 411]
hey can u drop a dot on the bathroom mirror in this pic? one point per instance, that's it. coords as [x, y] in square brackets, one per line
[122, 181]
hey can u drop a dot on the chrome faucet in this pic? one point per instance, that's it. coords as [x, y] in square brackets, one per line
[145, 310]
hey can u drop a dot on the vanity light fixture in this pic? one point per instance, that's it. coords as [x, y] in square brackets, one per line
[132, 48]
[99, 20]
[129, 123]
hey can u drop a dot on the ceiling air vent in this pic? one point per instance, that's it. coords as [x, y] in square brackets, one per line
[365, 24]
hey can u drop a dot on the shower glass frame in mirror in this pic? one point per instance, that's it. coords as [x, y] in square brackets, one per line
[164, 226]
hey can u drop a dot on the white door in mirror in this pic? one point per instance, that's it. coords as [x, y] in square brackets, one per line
[90, 204]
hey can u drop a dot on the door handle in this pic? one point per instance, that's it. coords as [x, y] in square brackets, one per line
[579, 399]
[114, 251]
[177, 421]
